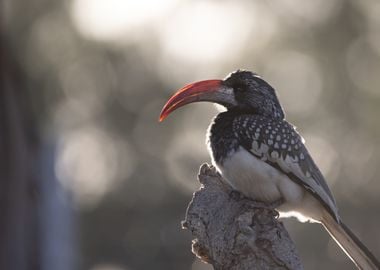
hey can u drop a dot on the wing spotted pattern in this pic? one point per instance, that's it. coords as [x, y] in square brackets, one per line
[278, 143]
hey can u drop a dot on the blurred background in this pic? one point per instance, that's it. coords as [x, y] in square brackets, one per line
[90, 179]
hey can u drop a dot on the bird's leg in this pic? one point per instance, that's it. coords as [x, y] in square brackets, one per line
[236, 195]
[265, 205]
[277, 203]
[271, 206]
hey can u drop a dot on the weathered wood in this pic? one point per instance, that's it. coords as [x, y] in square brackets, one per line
[235, 233]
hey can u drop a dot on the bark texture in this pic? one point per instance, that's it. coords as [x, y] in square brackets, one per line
[235, 233]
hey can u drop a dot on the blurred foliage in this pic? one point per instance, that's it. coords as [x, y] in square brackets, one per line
[99, 72]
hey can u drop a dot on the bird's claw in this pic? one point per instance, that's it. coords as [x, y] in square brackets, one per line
[236, 195]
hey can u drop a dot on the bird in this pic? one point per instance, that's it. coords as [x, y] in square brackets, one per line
[261, 155]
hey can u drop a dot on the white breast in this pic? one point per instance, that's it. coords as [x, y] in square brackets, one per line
[260, 181]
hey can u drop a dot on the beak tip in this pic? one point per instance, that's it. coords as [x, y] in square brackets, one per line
[161, 117]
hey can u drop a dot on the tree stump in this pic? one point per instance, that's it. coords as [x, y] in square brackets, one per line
[234, 233]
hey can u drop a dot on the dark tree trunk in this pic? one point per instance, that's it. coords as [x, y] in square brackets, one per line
[18, 186]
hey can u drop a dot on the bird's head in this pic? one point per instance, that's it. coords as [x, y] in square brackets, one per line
[241, 91]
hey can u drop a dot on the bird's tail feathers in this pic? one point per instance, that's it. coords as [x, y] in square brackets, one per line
[350, 244]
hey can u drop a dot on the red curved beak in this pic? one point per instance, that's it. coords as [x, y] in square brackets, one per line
[199, 91]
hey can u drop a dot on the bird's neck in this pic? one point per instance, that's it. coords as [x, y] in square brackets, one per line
[221, 138]
[231, 113]
[235, 111]
[223, 122]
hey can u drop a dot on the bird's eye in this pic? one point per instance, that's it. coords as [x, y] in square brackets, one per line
[239, 88]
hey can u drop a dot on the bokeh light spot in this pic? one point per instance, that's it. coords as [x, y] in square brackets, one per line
[363, 67]
[111, 19]
[183, 158]
[297, 79]
[325, 156]
[204, 31]
[88, 163]
[311, 12]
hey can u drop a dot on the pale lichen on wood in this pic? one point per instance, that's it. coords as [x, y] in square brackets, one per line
[235, 233]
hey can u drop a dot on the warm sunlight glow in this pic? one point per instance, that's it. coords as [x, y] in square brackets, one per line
[312, 12]
[204, 31]
[110, 19]
[88, 163]
[296, 77]
[325, 155]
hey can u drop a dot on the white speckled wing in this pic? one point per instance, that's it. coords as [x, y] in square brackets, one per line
[278, 143]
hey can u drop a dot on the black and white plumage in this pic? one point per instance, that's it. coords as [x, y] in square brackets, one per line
[273, 145]
[261, 155]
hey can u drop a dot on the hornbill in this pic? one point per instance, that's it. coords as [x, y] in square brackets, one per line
[261, 155]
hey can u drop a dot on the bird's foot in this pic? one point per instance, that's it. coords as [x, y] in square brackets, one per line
[236, 195]
[265, 205]
[277, 203]
[254, 204]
